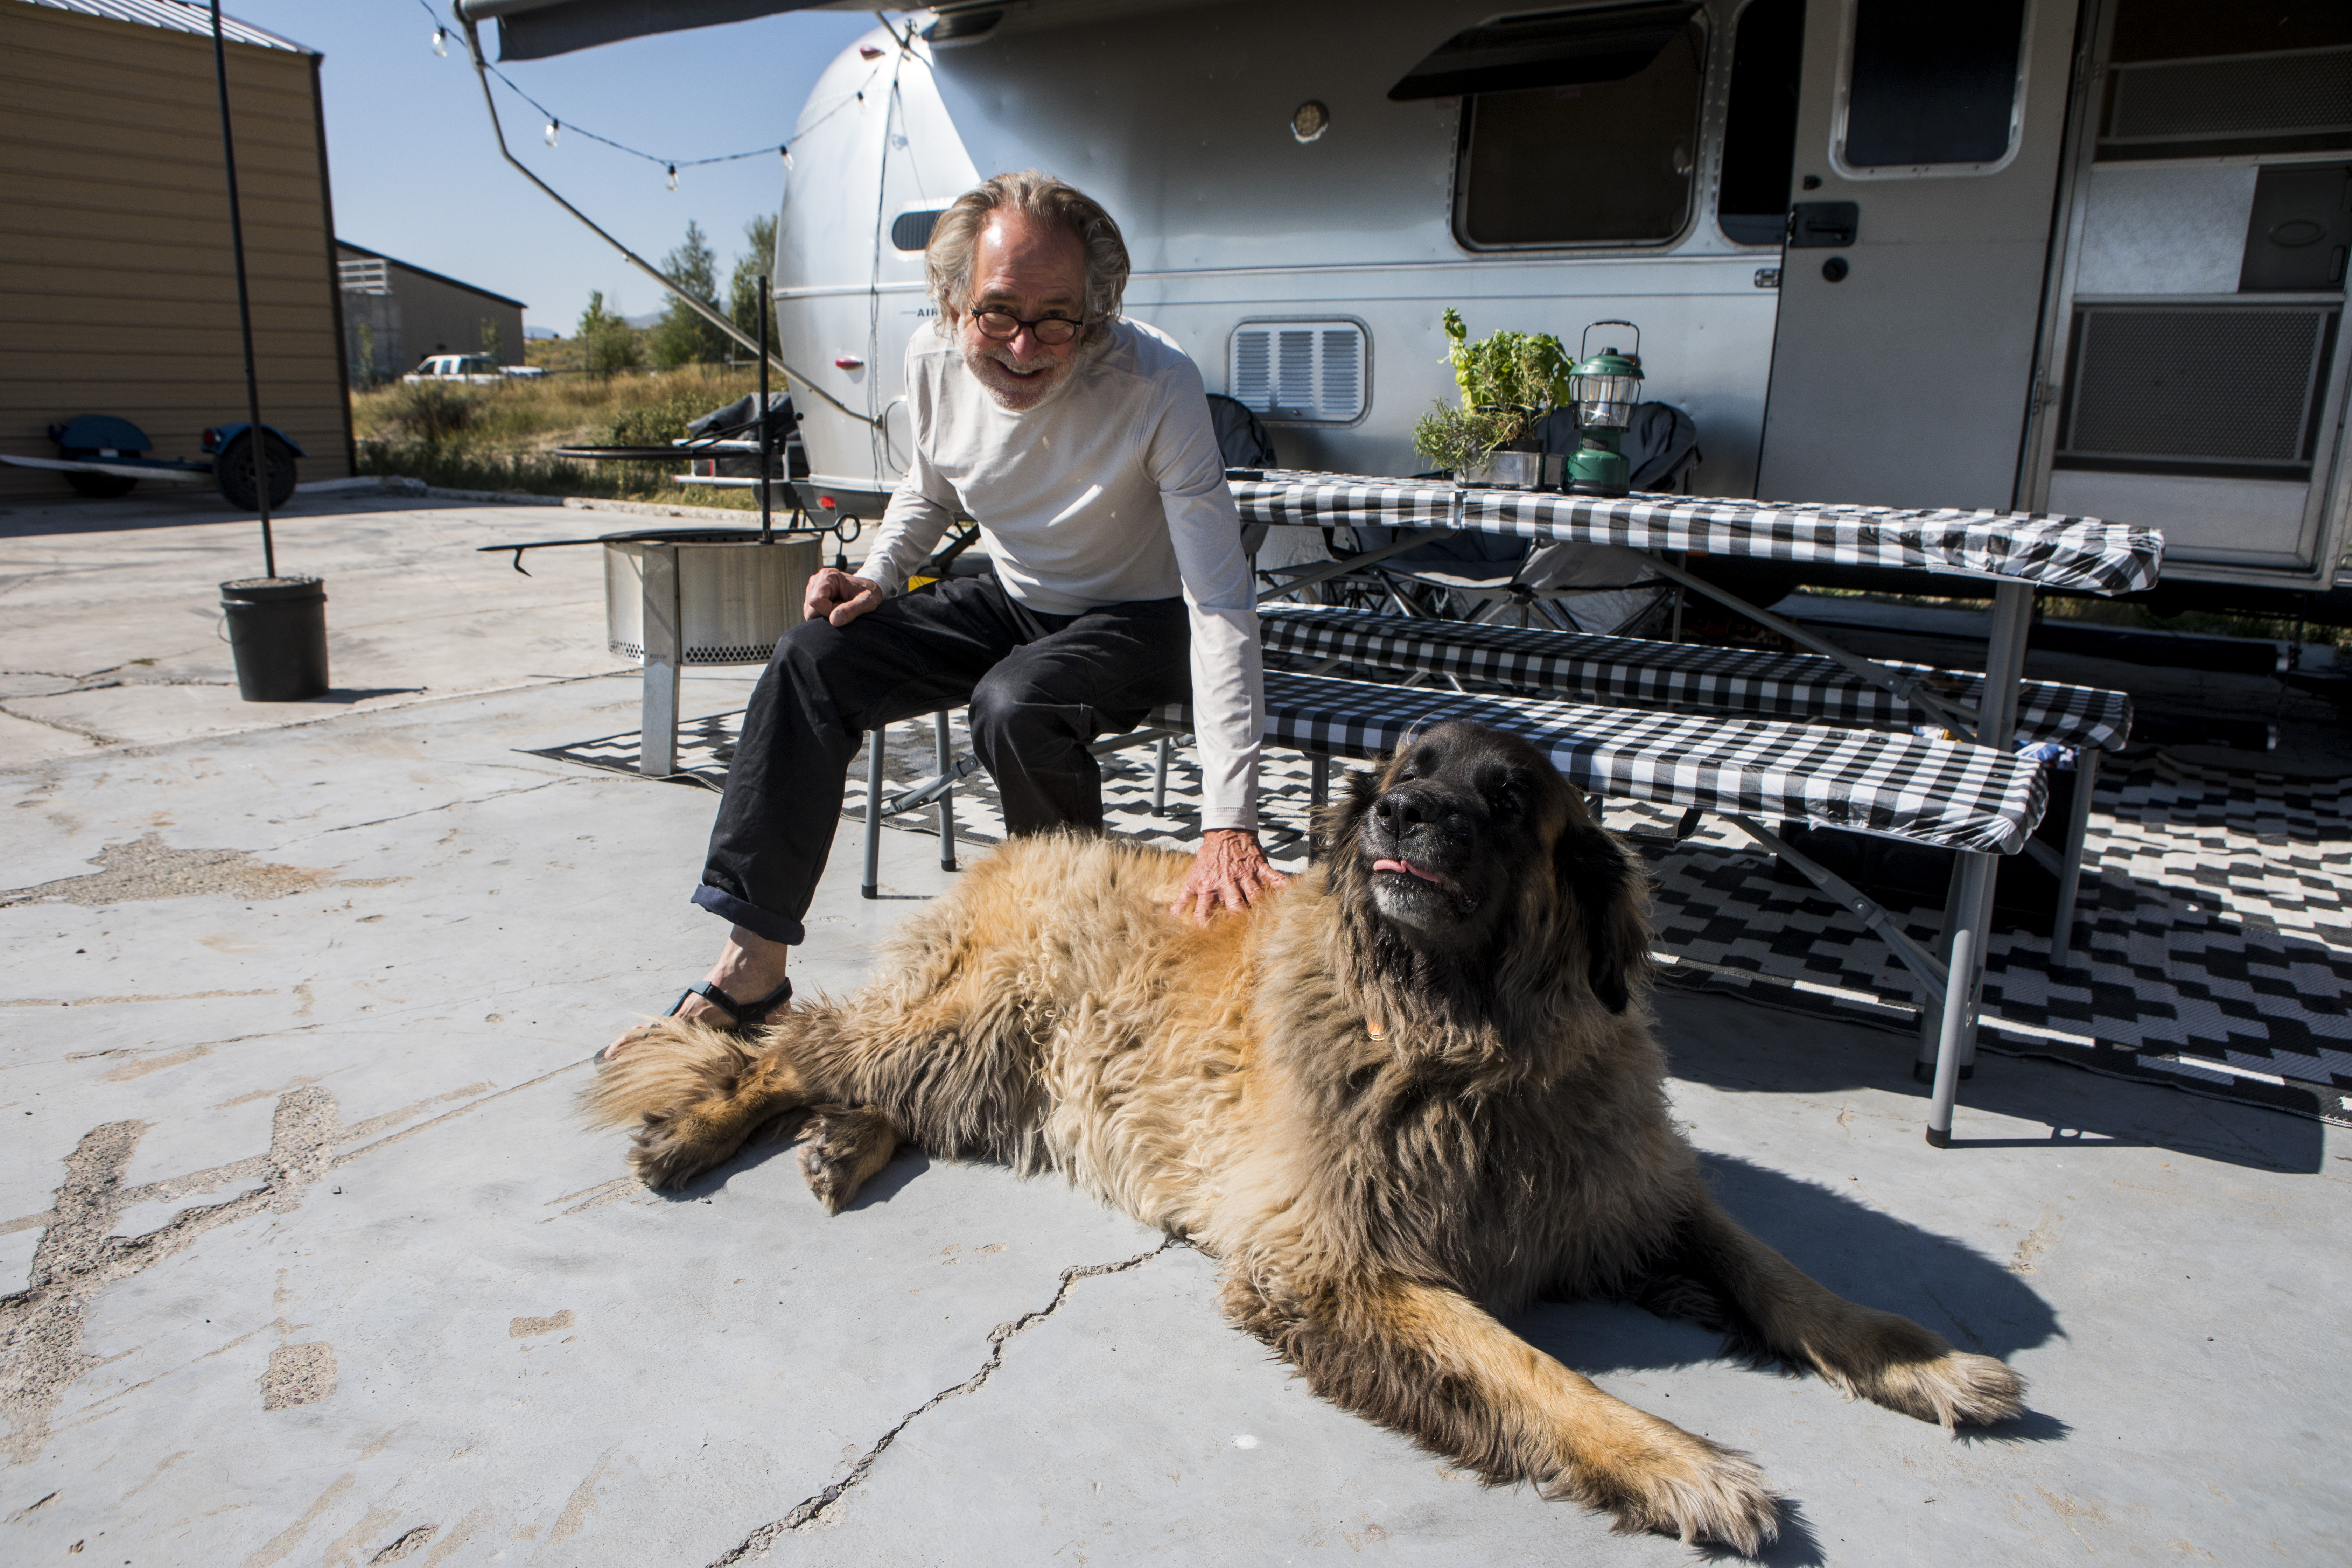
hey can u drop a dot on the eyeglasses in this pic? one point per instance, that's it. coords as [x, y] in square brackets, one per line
[1051, 331]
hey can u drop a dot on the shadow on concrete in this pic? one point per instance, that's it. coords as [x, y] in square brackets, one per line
[346, 695]
[1747, 1044]
[1862, 1253]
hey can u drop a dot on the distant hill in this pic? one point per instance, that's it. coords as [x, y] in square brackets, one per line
[540, 334]
[650, 319]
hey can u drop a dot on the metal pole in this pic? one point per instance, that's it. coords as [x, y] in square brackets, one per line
[872, 886]
[2070, 875]
[665, 643]
[244, 306]
[767, 455]
[947, 797]
[1968, 963]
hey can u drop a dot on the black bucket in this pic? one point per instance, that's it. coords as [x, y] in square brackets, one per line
[278, 629]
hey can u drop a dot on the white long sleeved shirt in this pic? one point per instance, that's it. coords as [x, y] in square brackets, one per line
[1111, 490]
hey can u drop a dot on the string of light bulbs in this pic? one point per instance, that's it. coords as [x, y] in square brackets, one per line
[555, 127]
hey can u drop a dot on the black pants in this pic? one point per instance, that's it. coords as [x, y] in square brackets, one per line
[1039, 688]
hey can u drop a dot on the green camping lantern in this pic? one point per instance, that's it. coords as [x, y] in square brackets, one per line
[1605, 387]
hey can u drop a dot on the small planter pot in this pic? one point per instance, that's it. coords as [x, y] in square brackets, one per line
[277, 631]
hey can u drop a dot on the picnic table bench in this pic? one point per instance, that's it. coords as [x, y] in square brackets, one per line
[1642, 672]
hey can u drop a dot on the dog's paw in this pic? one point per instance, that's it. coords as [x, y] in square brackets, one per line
[845, 1146]
[1953, 1388]
[672, 1147]
[1683, 1485]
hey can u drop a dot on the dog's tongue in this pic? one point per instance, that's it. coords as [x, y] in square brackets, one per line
[1407, 866]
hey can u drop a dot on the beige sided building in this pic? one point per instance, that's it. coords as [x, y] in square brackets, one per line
[118, 291]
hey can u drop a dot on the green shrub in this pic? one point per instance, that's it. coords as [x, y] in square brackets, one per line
[1457, 439]
[433, 412]
[654, 424]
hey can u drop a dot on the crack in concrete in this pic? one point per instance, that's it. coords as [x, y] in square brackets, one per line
[448, 805]
[82, 731]
[810, 1514]
[41, 1325]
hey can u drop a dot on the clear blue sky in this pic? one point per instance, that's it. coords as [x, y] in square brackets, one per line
[417, 176]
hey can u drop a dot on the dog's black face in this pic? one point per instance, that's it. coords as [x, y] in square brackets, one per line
[1444, 836]
[1476, 858]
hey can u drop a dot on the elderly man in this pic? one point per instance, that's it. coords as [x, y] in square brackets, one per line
[1081, 443]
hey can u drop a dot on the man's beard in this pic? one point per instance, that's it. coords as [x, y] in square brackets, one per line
[996, 367]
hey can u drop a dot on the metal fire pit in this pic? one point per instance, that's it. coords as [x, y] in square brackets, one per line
[682, 596]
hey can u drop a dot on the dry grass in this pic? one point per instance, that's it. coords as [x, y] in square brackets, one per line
[500, 437]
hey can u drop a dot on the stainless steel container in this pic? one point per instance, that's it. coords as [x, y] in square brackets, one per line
[735, 596]
[1517, 471]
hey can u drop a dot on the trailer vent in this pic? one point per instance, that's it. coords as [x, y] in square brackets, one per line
[1304, 372]
[2212, 389]
[912, 230]
[2286, 101]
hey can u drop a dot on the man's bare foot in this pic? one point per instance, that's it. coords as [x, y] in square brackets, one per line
[750, 967]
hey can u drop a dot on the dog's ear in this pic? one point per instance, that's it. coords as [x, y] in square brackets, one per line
[1609, 893]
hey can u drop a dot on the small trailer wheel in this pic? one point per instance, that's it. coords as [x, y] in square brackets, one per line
[233, 473]
[102, 487]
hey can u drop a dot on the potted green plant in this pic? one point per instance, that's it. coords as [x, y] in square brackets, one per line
[1508, 381]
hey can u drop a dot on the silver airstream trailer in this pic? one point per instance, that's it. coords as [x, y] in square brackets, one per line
[2075, 257]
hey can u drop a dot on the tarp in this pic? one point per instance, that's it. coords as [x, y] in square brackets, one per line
[534, 30]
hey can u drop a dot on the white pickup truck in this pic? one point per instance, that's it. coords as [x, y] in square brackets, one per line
[475, 370]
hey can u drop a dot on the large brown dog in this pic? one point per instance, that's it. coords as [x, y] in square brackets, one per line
[1415, 1089]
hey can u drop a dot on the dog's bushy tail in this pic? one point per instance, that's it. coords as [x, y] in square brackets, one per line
[673, 1064]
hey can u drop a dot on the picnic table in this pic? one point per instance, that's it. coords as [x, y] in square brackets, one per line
[2017, 554]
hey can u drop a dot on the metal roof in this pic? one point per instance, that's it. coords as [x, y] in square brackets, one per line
[362, 251]
[175, 17]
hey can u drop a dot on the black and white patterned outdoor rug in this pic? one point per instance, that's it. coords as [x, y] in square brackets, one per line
[2213, 950]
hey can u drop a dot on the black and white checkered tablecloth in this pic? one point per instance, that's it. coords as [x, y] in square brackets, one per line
[2082, 553]
[1804, 687]
[1931, 792]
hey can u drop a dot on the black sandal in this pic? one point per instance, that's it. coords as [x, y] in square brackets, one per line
[746, 1015]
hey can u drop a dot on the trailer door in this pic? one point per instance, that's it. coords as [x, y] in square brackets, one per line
[1927, 155]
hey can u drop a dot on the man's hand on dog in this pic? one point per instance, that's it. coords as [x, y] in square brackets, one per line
[836, 596]
[1230, 872]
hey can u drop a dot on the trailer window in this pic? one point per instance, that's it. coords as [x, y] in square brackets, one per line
[1601, 154]
[1931, 85]
[1759, 131]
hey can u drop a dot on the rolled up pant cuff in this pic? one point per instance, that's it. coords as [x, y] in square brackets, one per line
[751, 917]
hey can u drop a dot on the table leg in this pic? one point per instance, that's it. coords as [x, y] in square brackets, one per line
[1963, 975]
[2013, 620]
[2070, 878]
[658, 706]
[947, 797]
[1160, 777]
[1931, 1016]
[872, 886]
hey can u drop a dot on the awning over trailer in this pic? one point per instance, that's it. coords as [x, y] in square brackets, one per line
[534, 30]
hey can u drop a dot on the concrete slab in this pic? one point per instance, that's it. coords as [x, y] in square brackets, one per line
[413, 612]
[321, 1269]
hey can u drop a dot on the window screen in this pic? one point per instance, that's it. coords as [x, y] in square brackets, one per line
[1604, 161]
[1759, 133]
[1932, 84]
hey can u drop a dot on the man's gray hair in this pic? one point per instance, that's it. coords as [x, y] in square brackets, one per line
[947, 259]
